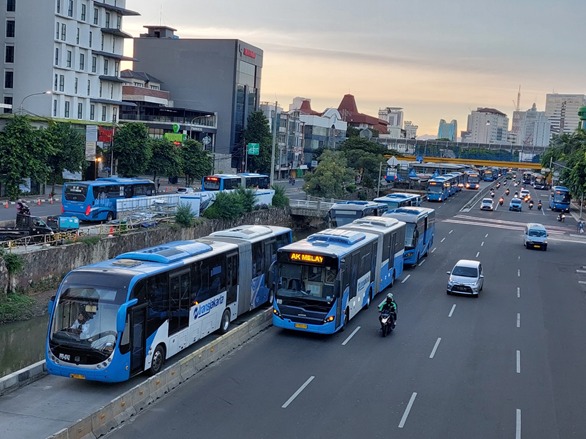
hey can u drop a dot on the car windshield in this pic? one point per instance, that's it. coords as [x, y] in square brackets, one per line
[485, 201]
[538, 233]
[465, 271]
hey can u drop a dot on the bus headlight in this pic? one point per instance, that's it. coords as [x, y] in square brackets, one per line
[276, 312]
[329, 319]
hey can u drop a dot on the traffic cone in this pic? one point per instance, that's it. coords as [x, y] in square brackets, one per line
[6, 204]
[111, 232]
[51, 200]
[38, 201]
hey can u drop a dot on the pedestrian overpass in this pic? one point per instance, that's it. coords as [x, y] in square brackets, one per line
[472, 162]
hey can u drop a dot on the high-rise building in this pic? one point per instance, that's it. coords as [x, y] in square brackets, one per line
[222, 76]
[562, 111]
[394, 117]
[486, 125]
[61, 58]
[448, 130]
[530, 128]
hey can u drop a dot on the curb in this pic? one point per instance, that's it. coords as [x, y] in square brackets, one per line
[22, 377]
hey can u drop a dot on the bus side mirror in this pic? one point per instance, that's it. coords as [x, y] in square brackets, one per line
[121, 315]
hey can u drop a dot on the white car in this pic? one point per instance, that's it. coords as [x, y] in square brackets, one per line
[486, 204]
[525, 195]
[466, 278]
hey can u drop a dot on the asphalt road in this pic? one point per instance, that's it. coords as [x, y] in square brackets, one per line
[508, 364]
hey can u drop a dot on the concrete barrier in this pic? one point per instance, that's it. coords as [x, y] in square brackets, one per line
[139, 397]
[22, 377]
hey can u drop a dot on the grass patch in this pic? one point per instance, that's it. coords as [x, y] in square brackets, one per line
[15, 306]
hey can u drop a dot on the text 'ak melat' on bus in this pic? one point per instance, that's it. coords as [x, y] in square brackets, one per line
[117, 318]
[323, 281]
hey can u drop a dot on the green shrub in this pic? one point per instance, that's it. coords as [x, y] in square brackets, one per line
[225, 206]
[280, 199]
[184, 215]
[246, 198]
[14, 263]
[15, 306]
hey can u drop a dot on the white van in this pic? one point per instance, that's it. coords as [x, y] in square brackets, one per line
[535, 236]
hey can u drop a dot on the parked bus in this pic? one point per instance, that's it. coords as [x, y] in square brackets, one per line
[395, 200]
[391, 246]
[488, 175]
[473, 180]
[344, 212]
[95, 200]
[325, 280]
[419, 232]
[456, 181]
[222, 182]
[559, 199]
[438, 189]
[144, 306]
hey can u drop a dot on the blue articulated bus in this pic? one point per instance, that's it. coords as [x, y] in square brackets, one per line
[323, 281]
[438, 189]
[560, 198]
[419, 232]
[145, 306]
[391, 246]
[95, 200]
[344, 212]
[395, 200]
[224, 182]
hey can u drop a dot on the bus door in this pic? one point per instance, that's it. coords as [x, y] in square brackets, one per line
[391, 250]
[179, 304]
[138, 338]
[232, 278]
[353, 301]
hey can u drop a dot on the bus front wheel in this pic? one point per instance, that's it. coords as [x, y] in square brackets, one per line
[158, 360]
[110, 216]
[225, 322]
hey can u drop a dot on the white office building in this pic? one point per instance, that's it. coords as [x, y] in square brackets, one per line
[394, 117]
[61, 58]
[486, 125]
[530, 128]
[562, 111]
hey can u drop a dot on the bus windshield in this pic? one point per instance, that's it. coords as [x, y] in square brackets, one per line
[435, 188]
[307, 282]
[562, 196]
[410, 239]
[343, 217]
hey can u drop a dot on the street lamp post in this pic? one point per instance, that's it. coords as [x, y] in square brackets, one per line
[20, 108]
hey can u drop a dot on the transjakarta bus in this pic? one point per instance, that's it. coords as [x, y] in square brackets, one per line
[95, 200]
[559, 199]
[438, 189]
[247, 180]
[473, 180]
[323, 281]
[344, 212]
[147, 305]
[395, 200]
[419, 232]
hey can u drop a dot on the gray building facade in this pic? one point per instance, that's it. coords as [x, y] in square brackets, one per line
[222, 76]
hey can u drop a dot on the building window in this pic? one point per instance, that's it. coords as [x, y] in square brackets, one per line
[61, 82]
[106, 67]
[80, 110]
[89, 87]
[8, 79]
[92, 112]
[56, 82]
[66, 109]
[63, 31]
[91, 37]
[116, 68]
[11, 5]
[77, 37]
[56, 56]
[104, 111]
[75, 86]
[83, 8]
[114, 115]
[100, 88]
[54, 107]
[58, 6]
[8, 101]
[94, 64]
[10, 28]
[81, 61]
[68, 62]
[96, 15]
[57, 31]
[70, 9]
[107, 20]
[111, 91]
[9, 56]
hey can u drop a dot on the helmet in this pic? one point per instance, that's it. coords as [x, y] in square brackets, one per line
[390, 297]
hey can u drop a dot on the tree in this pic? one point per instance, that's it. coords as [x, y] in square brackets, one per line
[132, 149]
[331, 176]
[258, 131]
[365, 157]
[23, 153]
[568, 150]
[166, 158]
[67, 149]
[197, 163]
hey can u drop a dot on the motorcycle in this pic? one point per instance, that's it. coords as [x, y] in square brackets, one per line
[501, 201]
[492, 194]
[561, 217]
[387, 322]
[530, 204]
[539, 205]
[498, 185]
[507, 192]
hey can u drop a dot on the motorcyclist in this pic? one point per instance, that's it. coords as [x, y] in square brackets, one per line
[22, 208]
[389, 305]
[561, 217]
[507, 192]
[539, 205]
[530, 204]
[501, 201]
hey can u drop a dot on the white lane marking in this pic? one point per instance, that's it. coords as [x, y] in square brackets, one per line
[452, 310]
[351, 335]
[405, 280]
[518, 361]
[421, 263]
[518, 320]
[477, 253]
[486, 236]
[518, 258]
[518, 272]
[518, 425]
[443, 239]
[296, 394]
[580, 271]
[518, 292]
[407, 410]
[482, 244]
[435, 348]
[451, 232]
[433, 249]
[583, 282]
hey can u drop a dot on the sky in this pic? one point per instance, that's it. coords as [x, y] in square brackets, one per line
[435, 59]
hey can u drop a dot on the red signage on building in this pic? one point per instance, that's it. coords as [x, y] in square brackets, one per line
[249, 53]
[105, 134]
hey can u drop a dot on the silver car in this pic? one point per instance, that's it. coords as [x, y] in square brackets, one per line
[466, 278]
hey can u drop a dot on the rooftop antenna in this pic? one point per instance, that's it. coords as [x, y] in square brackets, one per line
[518, 103]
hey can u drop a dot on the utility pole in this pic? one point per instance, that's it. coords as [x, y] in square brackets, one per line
[274, 145]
